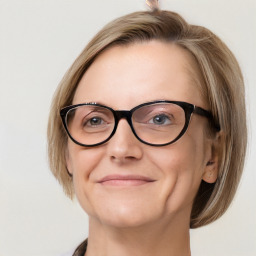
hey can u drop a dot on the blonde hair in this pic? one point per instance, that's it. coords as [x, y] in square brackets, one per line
[223, 89]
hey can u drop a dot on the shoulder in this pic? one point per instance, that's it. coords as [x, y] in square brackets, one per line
[79, 251]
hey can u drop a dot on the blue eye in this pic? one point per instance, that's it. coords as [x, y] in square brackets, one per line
[95, 121]
[160, 120]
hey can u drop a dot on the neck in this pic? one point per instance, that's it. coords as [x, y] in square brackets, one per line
[165, 239]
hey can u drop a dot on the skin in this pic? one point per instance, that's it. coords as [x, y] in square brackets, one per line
[152, 218]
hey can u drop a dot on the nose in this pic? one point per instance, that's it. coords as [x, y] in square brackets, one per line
[124, 146]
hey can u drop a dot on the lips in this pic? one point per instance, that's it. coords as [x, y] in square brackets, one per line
[125, 180]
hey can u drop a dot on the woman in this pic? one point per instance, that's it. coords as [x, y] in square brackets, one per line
[148, 130]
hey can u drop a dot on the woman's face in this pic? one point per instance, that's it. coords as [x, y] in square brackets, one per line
[147, 183]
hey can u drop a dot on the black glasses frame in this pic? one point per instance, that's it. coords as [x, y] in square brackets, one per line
[188, 108]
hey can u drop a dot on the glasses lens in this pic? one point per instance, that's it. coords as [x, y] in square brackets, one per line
[158, 123]
[90, 124]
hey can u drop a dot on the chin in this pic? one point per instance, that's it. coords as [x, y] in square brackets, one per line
[127, 219]
[125, 215]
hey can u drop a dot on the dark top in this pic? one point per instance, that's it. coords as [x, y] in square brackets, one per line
[81, 249]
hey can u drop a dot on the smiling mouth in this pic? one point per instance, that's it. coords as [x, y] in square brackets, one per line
[125, 180]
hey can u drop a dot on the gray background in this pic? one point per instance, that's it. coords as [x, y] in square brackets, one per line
[39, 39]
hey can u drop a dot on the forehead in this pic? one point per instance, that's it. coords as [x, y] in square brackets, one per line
[124, 76]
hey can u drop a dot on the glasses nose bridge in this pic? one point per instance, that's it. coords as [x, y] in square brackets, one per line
[126, 114]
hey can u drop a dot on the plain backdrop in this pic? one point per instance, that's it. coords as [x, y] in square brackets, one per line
[39, 39]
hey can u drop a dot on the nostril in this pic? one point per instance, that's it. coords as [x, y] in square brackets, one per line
[123, 159]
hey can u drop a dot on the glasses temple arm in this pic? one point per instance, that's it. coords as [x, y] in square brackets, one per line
[208, 114]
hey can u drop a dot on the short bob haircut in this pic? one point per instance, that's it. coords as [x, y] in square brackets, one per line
[221, 84]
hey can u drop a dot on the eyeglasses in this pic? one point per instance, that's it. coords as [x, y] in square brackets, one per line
[156, 123]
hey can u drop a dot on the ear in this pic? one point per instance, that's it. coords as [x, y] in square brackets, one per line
[211, 172]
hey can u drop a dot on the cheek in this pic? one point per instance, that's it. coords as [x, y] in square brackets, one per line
[181, 165]
[183, 157]
[81, 163]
